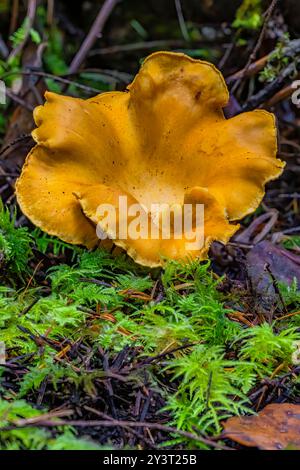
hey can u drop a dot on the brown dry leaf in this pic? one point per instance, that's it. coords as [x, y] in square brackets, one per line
[268, 263]
[276, 427]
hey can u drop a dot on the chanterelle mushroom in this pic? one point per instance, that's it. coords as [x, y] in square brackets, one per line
[164, 141]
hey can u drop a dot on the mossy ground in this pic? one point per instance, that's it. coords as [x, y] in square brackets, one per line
[94, 336]
[91, 336]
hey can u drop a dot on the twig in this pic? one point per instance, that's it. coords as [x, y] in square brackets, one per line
[116, 74]
[120, 76]
[136, 46]
[56, 78]
[131, 430]
[108, 384]
[19, 100]
[113, 423]
[258, 45]
[184, 30]
[50, 415]
[93, 34]
[281, 95]
[14, 16]
[228, 50]
[112, 74]
[29, 307]
[95, 281]
[248, 236]
[157, 358]
[3, 48]
[276, 288]
[245, 246]
[271, 88]
[252, 69]
[291, 230]
[30, 16]
[15, 142]
[50, 11]
[291, 50]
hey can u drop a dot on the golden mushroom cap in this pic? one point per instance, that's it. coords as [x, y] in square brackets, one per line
[163, 141]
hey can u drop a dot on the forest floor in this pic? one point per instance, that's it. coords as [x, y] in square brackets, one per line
[97, 352]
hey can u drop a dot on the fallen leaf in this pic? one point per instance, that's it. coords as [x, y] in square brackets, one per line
[276, 427]
[267, 263]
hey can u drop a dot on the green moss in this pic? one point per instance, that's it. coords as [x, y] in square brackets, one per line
[33, 438]
[205, 364]
[249, 15]
[15, 246]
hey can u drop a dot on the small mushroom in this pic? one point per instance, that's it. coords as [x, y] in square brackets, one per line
[164, 141]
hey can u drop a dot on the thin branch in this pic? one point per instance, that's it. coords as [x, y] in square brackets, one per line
[157, 358]
[15, 142]
[156, 44]
[119, 76]
[281, 95]
[19, 100]
[135, 433]
[183, 28]
[30, 16]
[253, 69]
[3, 48]
[258, 45]
[14, 16]
[56, 78]
[271, 88]
[50, 11]
[291, 50]
[113, 423]
[93, 35]
[136, 46]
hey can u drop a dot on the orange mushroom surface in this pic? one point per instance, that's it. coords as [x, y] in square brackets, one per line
[163, 141]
